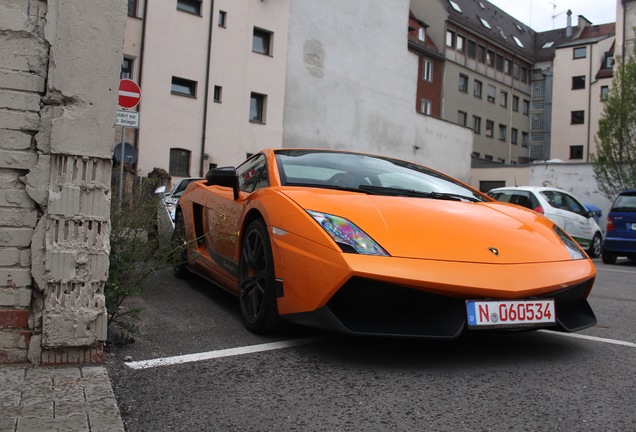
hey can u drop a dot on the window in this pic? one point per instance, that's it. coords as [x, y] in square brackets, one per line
[515, 103]
[257, 108]
[504, 98]
[507, 64]
[578, 82]
[463, 83]
[514, 135]
[500, 63]
[190, 6]
[490, 128]
[490, 57]
[604, 93]
[579, 52]
[515, 70]
[261, 41]
[455, 6]
[492, 92]
[485, 23]
[126, 68]
[481, 53]
[524, 74]
[576, 152]
[526, 107]
[183, 87]
[477, 125]
[252, 174]
[577, 117]
[537, 121]
[608, 62]
[460, 42]
[179, 162]
[222, 18]
[427, 70]
[421, 34]
[218, 93]
[517, 41]
[450, 38]
[477, 89]
[503, 132]
[471, 49]
[425, 106]
[461, 118]
[524, 139]
[538, 89]
[132, 8]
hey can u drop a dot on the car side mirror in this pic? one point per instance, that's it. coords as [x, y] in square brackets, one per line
[160, 191]
[590, 214]
[224, 176]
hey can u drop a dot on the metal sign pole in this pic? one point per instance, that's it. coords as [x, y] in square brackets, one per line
[121, 166]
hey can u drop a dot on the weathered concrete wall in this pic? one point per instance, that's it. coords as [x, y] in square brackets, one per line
[351, 84]
[59, 74]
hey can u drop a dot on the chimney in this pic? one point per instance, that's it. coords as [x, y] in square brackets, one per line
[568, 29]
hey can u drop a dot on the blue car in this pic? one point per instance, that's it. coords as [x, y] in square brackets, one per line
[620, 237]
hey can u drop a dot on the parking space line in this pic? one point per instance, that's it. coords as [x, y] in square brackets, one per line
[592, 338]
[189, 358]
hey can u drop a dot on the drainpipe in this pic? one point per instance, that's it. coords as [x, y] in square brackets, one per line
[207, 92]
[589, 107]
[141, 65]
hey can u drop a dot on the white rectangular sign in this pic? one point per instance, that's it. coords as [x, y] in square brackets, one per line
[127, 119]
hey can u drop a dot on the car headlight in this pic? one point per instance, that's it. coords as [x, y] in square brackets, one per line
[573, 247]
[347, 235]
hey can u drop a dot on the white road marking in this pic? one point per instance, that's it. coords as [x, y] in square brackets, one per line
[188, 358]
[615, 270]
[591, 338]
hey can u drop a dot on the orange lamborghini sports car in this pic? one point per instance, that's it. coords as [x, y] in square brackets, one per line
[371, 245]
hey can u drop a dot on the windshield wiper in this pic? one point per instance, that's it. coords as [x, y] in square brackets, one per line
[334, 187]
[414, 193]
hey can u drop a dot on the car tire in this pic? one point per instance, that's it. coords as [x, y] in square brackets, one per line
[256, 281]
[178, 242]
[609, 258]
[595, 246]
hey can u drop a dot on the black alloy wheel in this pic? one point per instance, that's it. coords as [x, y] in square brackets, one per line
[595, 246]
[256, 281]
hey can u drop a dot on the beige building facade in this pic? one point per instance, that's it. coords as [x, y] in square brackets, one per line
[233, 77]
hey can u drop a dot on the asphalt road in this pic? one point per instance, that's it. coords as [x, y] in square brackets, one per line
[536, 381]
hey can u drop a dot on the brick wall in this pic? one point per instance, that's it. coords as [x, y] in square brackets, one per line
[59, 74]
[22, 78]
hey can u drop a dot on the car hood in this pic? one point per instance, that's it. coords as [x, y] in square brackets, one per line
[424, 228]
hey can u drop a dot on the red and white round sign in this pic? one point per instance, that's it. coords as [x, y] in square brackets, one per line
[129, 93]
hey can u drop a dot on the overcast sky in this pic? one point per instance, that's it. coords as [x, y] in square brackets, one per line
[538, 13]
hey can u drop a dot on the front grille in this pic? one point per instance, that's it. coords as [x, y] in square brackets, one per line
[368, 306]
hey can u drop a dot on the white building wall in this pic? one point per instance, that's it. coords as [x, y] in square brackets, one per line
[351, 84]
[566, 100]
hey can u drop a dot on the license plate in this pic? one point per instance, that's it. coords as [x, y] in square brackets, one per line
[510, 313]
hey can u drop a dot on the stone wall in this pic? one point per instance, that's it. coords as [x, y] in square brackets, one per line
[59, 74]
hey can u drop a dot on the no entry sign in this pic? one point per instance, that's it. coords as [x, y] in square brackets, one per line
[129, 93]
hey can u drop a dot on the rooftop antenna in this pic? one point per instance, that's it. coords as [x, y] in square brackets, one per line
[554, 12]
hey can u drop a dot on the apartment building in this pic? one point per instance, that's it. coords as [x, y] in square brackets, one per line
[488, 61]
[570, 80]
[223, 79]
[430, 69]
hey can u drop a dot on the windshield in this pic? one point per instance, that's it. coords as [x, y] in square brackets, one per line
[367, 174]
